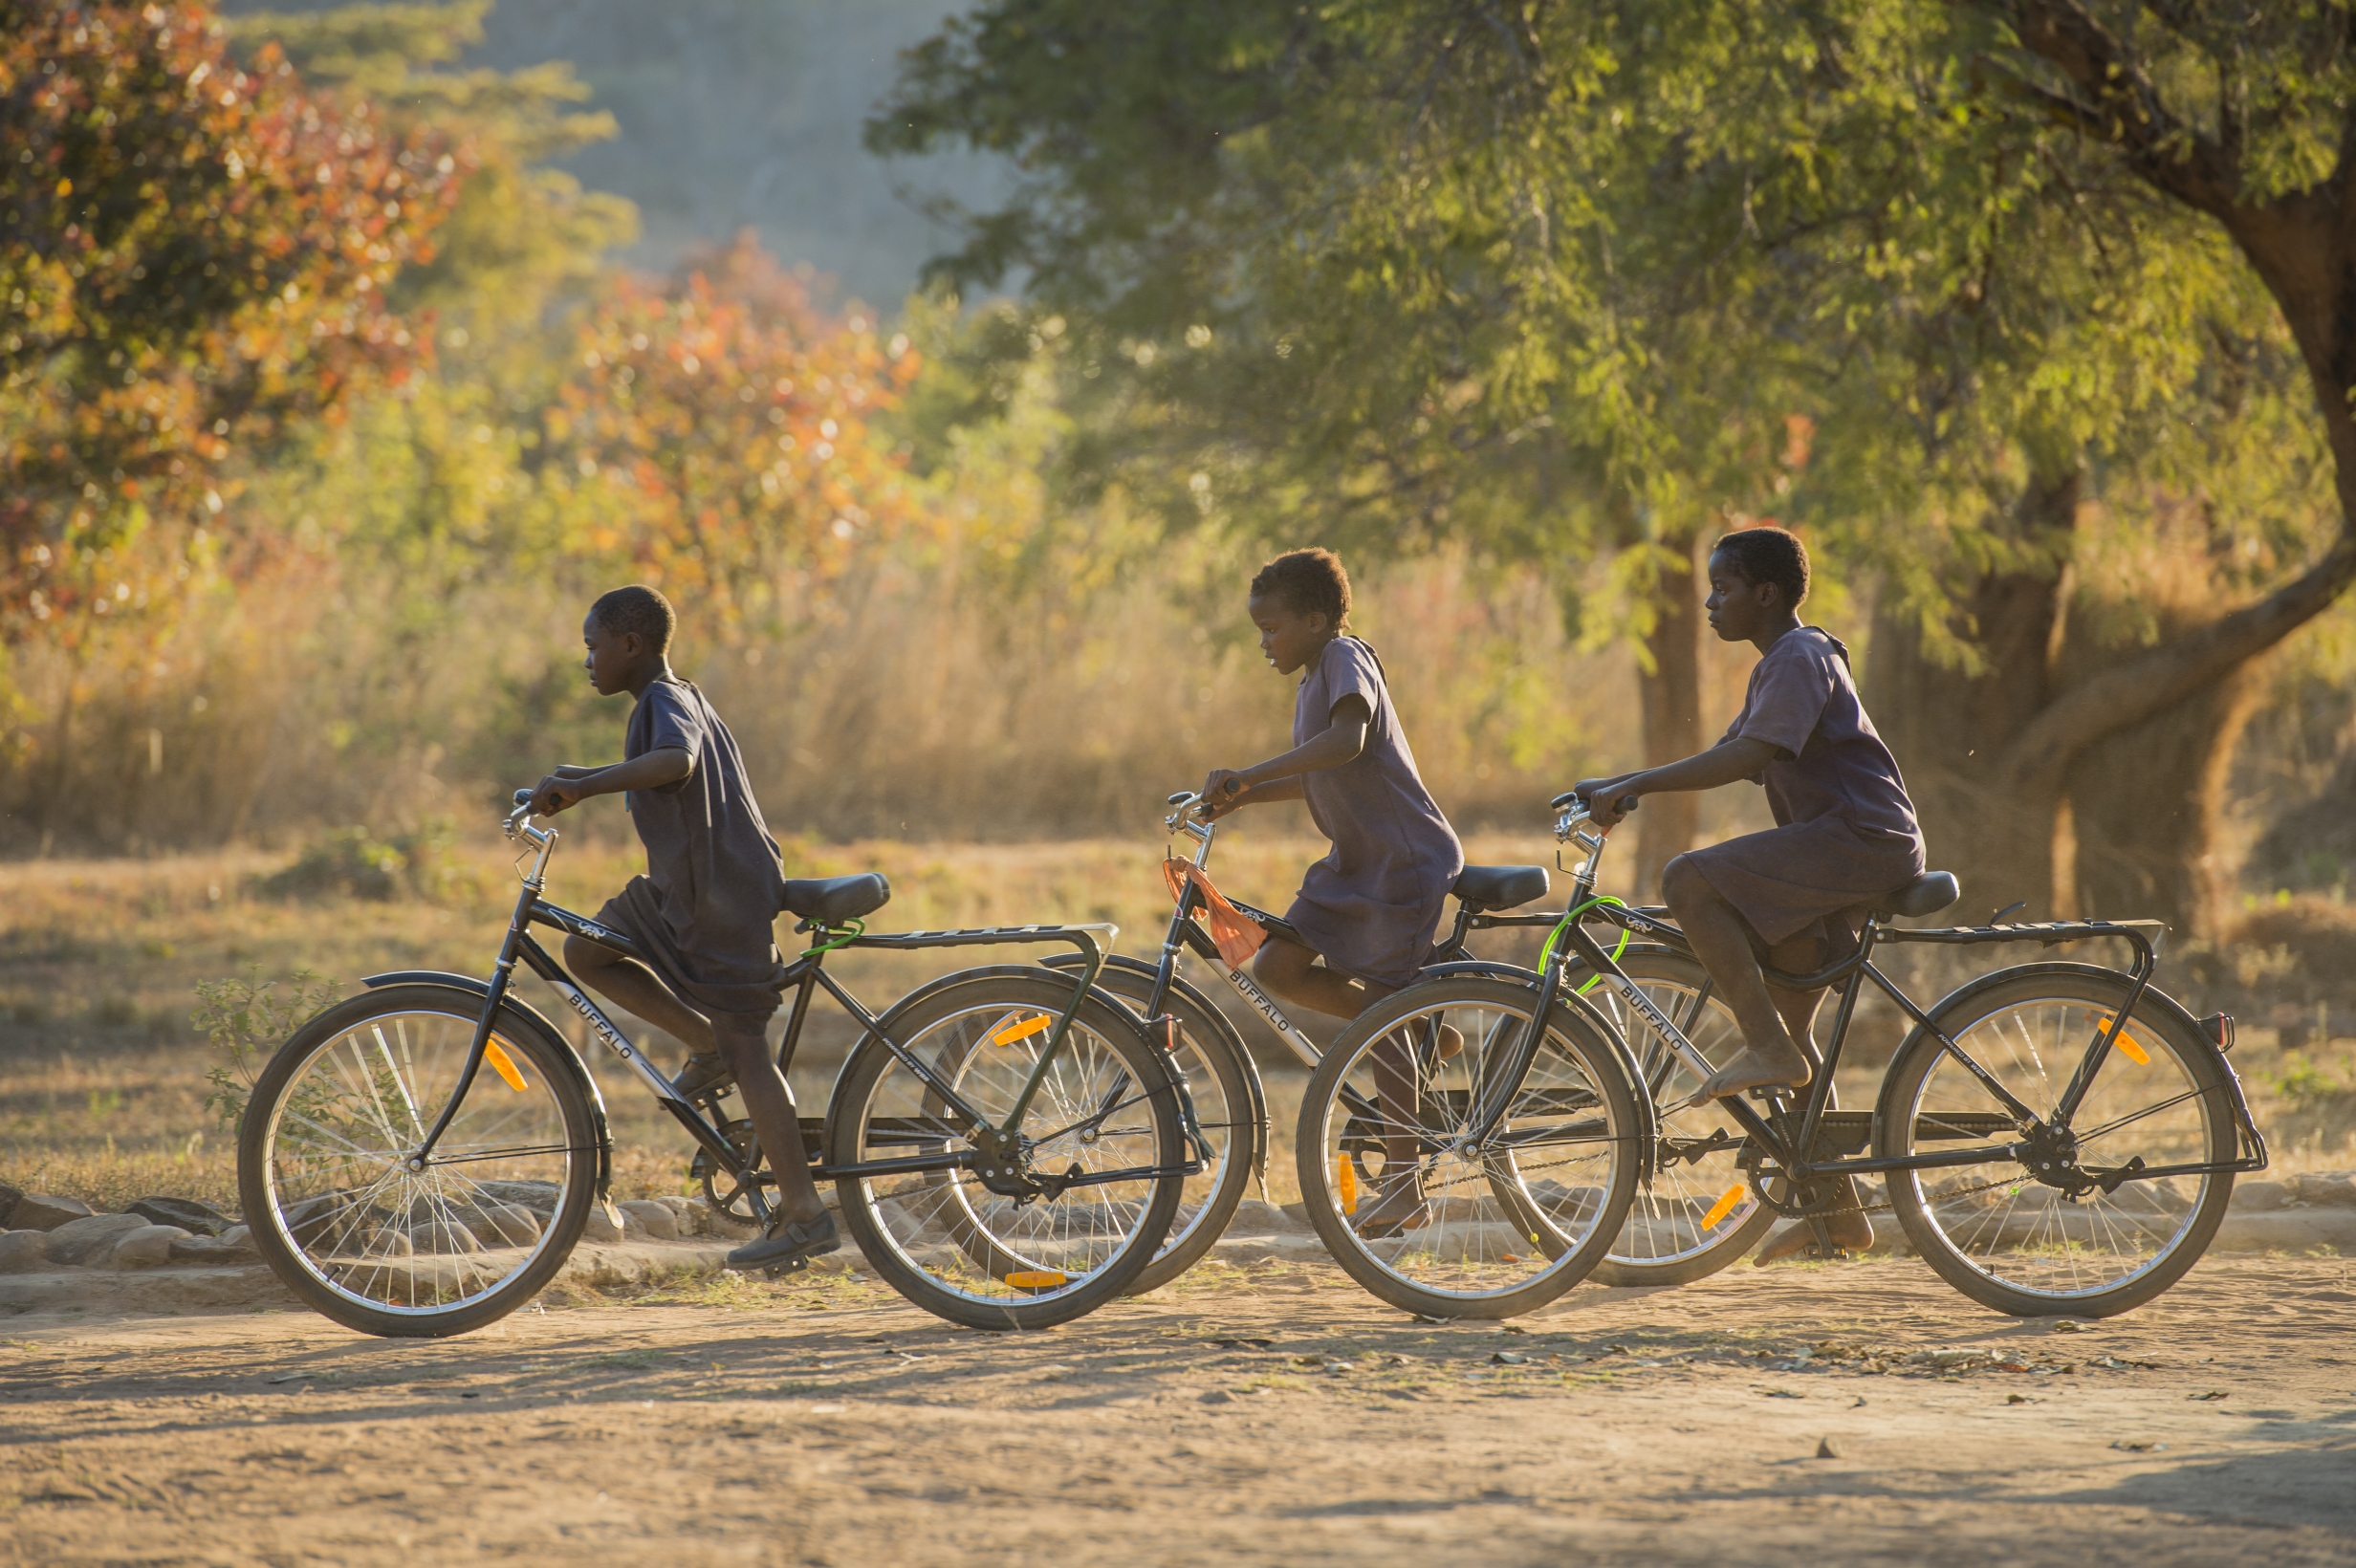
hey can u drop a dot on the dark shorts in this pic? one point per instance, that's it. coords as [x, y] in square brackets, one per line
[1816, 877]
[735, 989]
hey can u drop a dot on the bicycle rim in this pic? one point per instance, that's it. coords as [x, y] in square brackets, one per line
[389, 1243]
[2034, 1245]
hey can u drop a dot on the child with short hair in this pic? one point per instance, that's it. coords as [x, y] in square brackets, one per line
[704, 912]
[1371, 909]
[1797, 894]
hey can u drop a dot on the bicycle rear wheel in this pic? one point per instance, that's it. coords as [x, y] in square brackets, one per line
[1409, 1206]
[1100, 1143]
[1698, 1214]
[323, 1163]
[1997, 1233]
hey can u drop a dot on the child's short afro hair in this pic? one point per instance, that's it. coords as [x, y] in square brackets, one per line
[637, 609]
[1768, 553]
[1307, 580]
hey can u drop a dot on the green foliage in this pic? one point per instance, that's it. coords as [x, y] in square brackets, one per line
[2305, 1085]
[244, 1019]
[354, 862]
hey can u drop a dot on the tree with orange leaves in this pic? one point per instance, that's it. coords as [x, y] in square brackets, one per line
[717, 434]
[192, 255]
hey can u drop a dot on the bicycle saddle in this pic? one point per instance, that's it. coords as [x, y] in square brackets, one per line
[832, 899]
[1926, 895]
[1499, 886]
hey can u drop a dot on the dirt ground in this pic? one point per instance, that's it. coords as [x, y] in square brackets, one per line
[1265, 1414]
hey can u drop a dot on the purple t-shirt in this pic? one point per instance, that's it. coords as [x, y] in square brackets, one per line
[1802, 700]
[714, 867]
[1370, 905]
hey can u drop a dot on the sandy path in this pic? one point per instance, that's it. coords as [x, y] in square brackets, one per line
[832, 1423]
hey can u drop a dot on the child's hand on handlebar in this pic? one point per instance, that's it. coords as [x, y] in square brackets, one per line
[552, 795]
[1608, 803]
[1223, 791]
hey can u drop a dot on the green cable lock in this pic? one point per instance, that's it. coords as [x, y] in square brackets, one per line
[851, 930]
[1568, 920]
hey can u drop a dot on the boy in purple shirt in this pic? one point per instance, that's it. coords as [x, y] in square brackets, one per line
[1846, 834]
[704, 912]
[1371, 908]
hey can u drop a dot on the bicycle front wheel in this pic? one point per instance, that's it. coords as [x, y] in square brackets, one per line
[1215, 1068]
[2011, 1241]
[338, 1211]
[1403, 1185]
[1699, 1212]
[995, 1233]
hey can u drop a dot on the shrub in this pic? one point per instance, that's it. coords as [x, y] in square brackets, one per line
[243, 1022]
[352, 863]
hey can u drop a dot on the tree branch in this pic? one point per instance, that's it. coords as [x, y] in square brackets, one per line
[2127, 694]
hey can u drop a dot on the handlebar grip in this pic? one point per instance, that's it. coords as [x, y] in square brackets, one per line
[1628, 803]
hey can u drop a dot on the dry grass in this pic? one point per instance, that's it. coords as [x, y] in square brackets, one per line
[102, 1080]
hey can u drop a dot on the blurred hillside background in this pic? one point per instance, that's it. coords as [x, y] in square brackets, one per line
[952, 370]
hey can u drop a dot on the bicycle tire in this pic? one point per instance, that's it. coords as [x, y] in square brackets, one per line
[1218, 1072]
[2031, 1251]
[1666, 1241]
[325, 1190]
[1460, 1253]
[943, 1239]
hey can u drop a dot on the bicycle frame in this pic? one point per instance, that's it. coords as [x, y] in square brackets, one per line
[804, 976]
[1185, 934]
[1793, 1149]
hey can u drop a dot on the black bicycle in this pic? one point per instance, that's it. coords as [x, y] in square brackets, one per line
[1008, 1146]
[2058, 1137]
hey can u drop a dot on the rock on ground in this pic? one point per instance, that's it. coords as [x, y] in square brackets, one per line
[209, 1249]
[9, 1198]
[649, 1219]
[601, 1228]
[40, 1211]
[196, 1218]
[145, 1248]
[21, 1251]
[84, 1241]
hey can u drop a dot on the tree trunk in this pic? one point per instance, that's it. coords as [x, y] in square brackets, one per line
[1671, 690]
[2149, 805]
[1949, 730]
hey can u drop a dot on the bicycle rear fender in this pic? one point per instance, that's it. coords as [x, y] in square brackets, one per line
[1648, 1114]
[529, 1018]
[2173, 1011]
[1231, 1037]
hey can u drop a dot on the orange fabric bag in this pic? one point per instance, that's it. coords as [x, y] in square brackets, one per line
[1236, 934]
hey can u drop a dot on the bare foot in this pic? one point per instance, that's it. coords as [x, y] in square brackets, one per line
[1752, 1069]
[1850, 1233]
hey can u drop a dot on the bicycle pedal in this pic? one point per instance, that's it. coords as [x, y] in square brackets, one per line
[790, 1266]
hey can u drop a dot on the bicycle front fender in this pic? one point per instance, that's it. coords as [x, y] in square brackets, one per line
[526, 1016]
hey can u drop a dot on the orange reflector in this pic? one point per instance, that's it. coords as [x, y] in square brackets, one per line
[2125, 1042]
[1509, 1257]
[1345, 1184]
[501, 1063]
[1037, 1279]
[1725, 1206]
[1022, 1031]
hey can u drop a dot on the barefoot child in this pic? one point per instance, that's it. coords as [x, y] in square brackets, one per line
[1369, 908]
[1846, 834]
[702, 912]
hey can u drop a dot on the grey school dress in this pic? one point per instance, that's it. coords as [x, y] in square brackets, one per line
[705, 911]
[1846, 831]
[1371, 907]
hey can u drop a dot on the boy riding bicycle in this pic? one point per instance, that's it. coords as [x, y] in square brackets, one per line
[704, 912]
[1796, 895]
